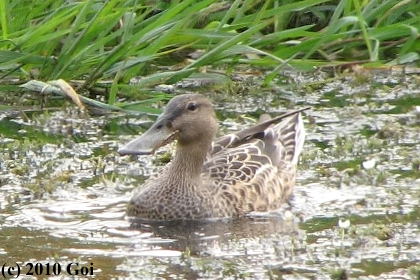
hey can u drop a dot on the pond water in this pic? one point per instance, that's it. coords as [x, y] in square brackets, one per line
[63, 191]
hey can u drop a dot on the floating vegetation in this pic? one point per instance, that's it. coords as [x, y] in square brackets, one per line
[63, 189]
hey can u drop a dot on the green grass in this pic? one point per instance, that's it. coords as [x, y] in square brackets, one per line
[117, 40]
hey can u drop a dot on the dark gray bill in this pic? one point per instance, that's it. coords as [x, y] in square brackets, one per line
[156, 136]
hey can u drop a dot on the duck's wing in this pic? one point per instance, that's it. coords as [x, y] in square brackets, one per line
[237, 164]
[254, 132]
[255, 169]
[284, 141]
[245, 178]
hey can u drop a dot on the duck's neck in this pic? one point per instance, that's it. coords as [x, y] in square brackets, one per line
[188, 161]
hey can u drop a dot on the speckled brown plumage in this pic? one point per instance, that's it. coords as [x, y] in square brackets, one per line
[251, 170]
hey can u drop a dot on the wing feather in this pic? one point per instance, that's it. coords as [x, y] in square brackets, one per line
[254, 169]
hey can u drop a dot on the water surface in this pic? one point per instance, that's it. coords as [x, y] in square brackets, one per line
[63, 191]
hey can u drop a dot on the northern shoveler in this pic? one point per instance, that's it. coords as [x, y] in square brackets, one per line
[250, 170]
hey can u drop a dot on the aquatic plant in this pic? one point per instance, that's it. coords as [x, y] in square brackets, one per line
[104, 44]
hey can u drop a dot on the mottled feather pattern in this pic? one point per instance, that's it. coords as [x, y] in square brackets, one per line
[251, 170]
[260, 171]
[235, 159]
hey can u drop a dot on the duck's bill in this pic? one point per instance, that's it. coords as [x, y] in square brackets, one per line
[157, 136]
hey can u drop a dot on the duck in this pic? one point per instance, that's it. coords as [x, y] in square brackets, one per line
[252, 170]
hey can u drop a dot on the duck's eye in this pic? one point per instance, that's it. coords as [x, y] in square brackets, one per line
[192, 106]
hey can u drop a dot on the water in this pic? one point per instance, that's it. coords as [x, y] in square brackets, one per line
[63, 191]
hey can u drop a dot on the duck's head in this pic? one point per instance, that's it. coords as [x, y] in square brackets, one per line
[188, 118]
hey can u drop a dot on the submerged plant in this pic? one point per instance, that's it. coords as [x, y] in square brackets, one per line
[414, 272]
[339, 274]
